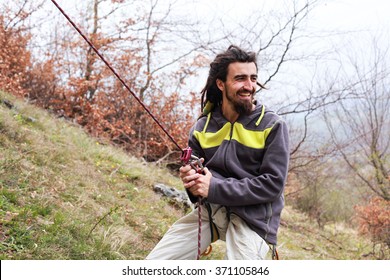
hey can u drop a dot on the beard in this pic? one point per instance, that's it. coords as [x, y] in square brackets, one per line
[242, 107]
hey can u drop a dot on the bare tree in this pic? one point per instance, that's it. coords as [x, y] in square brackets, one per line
[277, 37]
[360, 126]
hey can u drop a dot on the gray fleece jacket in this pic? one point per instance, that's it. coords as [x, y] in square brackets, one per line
[249, 162]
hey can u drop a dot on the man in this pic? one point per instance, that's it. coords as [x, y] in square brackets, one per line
[244, 147]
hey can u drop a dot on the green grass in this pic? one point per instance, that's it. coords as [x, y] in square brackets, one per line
[65, 195]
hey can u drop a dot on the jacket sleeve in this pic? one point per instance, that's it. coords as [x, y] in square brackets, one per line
[267, 186]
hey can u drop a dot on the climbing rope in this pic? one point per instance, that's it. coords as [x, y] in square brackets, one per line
[199, 203]
[117, 75]
[186, 156]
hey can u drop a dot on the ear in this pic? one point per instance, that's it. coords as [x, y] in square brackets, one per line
[220, 84]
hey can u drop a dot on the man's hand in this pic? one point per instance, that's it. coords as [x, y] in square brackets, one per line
[197, 184]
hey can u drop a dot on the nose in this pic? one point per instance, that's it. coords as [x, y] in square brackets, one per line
[249, 85]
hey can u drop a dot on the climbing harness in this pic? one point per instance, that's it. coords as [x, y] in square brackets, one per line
[186, 157]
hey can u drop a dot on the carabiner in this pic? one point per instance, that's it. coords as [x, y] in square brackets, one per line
[188, 158]
[196, 164]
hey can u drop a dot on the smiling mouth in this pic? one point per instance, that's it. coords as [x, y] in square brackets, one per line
[244, 94]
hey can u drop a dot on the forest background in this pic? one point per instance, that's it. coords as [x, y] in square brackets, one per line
[329, 84]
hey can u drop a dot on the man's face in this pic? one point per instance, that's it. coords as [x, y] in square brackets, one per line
[240, 86]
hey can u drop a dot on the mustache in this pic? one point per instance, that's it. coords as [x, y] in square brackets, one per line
[247, 91]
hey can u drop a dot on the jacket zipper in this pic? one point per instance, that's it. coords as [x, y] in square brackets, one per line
[230, 139]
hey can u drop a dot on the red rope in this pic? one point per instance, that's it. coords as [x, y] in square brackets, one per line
[116, 74]
[199, 227]
[144, 106]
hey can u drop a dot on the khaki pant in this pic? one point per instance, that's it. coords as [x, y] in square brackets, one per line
[181, 240]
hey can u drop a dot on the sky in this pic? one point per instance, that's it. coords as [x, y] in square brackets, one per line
[340, 15]
[329, 13]
[351, 14]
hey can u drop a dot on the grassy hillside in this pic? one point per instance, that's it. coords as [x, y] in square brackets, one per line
[65, 195]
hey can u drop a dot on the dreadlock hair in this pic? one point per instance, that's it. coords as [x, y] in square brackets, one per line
[211, 94]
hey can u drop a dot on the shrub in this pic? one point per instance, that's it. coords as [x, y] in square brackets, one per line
[374, 220]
